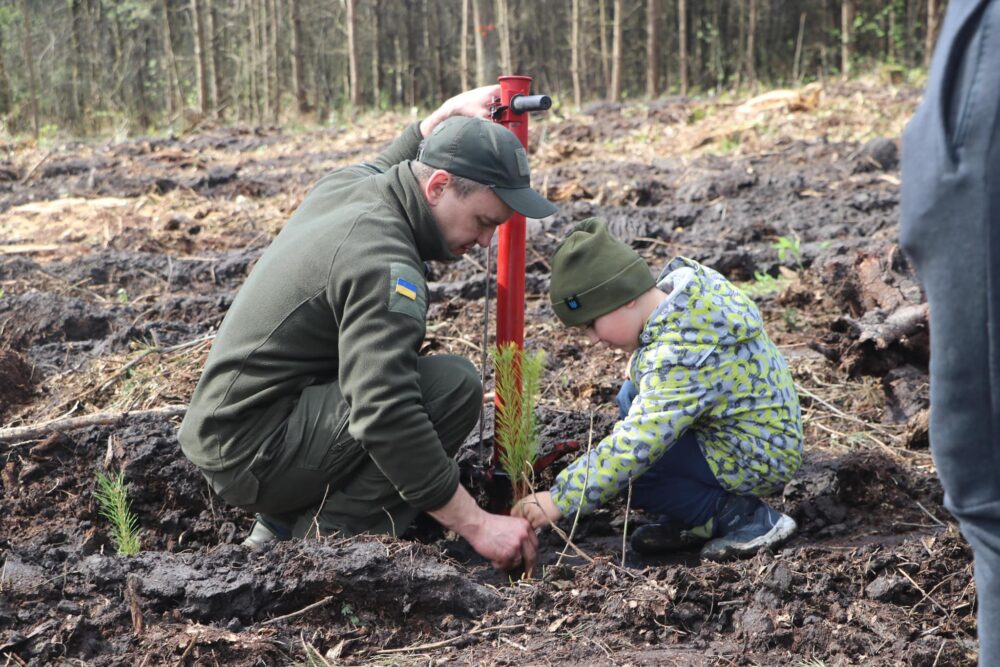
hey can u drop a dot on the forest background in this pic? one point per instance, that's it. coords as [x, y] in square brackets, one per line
[127, 67]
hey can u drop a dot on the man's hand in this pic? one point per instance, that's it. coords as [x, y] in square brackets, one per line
[507, 542]
[475, 103]
[538, 509]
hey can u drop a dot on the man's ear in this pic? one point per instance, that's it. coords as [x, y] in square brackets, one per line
[435, 186]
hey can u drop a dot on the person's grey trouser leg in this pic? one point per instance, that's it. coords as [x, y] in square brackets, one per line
[951, 230]
[326, 479]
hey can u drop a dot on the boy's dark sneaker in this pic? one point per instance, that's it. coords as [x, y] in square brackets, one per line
[265, 532]
[665, 536]
[744, 526]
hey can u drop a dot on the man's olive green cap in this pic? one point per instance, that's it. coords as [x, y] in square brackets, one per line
[594, 273]
[487, 153]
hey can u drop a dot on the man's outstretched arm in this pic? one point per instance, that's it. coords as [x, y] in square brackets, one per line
[506, 541]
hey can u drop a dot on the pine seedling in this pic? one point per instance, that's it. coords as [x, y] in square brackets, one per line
[113, 499]
[516, 427]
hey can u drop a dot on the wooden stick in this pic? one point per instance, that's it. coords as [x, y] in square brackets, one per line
[304, 610]
[448, 642]
[579, 507]
[31, 172]
[36, 431]
[628, 506]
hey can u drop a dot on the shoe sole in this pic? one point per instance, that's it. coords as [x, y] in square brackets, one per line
[772, 539]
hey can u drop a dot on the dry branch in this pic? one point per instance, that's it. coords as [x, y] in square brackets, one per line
[36, 431]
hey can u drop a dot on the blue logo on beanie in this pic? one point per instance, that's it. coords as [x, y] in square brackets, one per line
[572, 303]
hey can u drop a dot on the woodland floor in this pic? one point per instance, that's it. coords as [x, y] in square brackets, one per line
[118, 261]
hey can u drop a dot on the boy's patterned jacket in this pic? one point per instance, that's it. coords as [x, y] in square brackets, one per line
[704, 363]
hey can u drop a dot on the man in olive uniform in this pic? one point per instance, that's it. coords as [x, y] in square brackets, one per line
[314, 409]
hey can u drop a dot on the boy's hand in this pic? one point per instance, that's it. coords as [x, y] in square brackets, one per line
[626, 395]
[538, 509]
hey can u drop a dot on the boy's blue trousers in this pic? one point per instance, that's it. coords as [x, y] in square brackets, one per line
[680, 486]
[951, 231]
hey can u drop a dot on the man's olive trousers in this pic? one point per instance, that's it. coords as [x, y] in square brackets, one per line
[329, 484]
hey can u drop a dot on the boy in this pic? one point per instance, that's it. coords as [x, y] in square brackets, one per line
[715, 421]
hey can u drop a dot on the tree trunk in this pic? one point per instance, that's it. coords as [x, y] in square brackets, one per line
[846, 23]
[932, 30]
[5, 94]
[352, 51]
[652, 49]
[208, 21]
[891, 33]
[601, 24]
[174, 98]
[217, 58]
[201, 74]
[376, 56]
[254, 50]
[740, 43]
[574, 48]
[263, 64]
[486, 38]
[503, 35]
[141, 57]
[798, 48]
[615, 89]
[74, 64]
[751, 40]
[29, 59]
[682, 59]
[298, 62]
[463, 50]
[275, 76]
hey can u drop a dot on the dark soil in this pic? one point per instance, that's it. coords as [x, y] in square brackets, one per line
[110, 307]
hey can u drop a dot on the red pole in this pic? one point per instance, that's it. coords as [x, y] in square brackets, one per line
[510, 250]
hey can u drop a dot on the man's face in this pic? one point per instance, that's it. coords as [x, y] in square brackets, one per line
[468, 221]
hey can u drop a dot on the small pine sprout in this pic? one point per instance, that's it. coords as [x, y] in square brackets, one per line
[516, 426]
[113, 499]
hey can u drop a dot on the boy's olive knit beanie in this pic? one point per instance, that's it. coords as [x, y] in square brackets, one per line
[594, 273]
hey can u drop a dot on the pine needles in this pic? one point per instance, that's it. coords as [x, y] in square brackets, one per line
[515, 417]
[113, 499]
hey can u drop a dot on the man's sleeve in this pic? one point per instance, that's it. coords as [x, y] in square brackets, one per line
[403, 148]
[381, 328]
[666, 407]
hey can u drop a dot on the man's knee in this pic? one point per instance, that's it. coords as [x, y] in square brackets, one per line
[449, 383]
[453, 397]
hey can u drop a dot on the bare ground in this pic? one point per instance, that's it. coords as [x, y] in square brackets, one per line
[120, 259]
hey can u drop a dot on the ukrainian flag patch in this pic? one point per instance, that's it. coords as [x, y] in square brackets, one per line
[407, 291]
[406, 288]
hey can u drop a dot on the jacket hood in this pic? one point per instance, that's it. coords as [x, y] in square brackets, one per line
[702, 309]
[403, 191]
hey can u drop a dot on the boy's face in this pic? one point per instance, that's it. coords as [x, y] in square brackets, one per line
[620, 328]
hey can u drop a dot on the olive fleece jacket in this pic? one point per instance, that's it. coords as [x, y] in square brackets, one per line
[339, 295]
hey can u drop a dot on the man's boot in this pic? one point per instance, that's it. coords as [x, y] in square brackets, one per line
[265, 531]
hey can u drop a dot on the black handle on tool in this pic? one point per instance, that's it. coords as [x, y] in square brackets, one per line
[526, 103]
